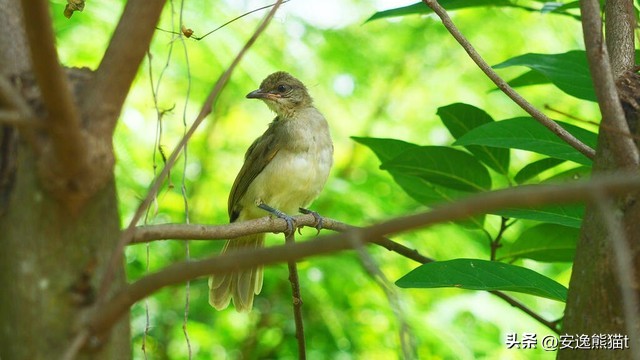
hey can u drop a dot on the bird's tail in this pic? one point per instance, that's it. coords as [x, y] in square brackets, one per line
[240, 286]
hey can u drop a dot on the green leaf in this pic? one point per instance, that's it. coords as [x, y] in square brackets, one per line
[535, 168]
[418, 188]
[478, 274]
[443, 166]
[422, 9]
[450, 5]
[525, 133]
[385, 149]
[545, 242]
[460, 119]
[568, 71]
[567, 215]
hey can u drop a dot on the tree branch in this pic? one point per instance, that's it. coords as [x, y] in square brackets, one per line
[121, 61]
[297, 300]
[620, 26]
[502, 85]
[624, 269]
[63, 122]
[528, 196]
[623, 148]
[127, 234]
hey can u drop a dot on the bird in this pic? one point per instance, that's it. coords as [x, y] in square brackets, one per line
[284, 170]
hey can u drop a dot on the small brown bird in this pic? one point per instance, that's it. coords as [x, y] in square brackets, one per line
[284, 169]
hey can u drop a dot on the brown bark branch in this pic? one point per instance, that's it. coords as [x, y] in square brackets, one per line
[121, 61]
[528, 196]
[620, 26]
[623, 263]
[297, 301]
[127, 234]
[623, 149]
[63, 120]
[502, 85]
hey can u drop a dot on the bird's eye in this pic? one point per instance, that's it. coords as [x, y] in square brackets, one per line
[283, 88]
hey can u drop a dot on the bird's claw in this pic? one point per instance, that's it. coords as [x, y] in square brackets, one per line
[319, 220]
[288, 219]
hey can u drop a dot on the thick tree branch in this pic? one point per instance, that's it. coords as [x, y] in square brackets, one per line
[63, 120]
[528, 196]
[620, 26]
[623, 263]
[623, 148]
[121, 61]
[502, 85]
[127, 234]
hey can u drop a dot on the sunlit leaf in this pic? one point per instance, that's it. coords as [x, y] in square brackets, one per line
[568, 71]
[418, 188]
[475, 274]
[460, 119]
[567, 215]
[443, 166]
[385, 149]
[525, 133]
[545, 242]
[421, 8]
[534, 169]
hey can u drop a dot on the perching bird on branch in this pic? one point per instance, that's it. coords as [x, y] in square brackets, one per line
[284, 170]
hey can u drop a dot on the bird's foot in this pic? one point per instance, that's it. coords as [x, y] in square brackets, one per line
[290, 222]
[319, 220]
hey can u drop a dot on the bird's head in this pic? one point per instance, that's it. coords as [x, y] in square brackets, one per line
[282, 93]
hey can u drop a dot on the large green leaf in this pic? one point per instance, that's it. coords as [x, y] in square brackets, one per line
[567, 215]
[442, 166]
[545, 242]
[478, 274]
[568, 71]
[534, 169]
[525, 133]
[421, 8]
[385, 149]
[460, 119]
[418, 188]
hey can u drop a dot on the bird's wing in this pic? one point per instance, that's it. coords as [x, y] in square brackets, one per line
[258, 156]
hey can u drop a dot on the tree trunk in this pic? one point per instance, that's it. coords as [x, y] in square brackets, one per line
[51, 259]
[596, 304]
[50, 265]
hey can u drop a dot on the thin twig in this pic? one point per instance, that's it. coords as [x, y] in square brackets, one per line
[494, 244]
[502, 85]
[552, 325]
[128, 233]
[623, 263]
[237, 18]
[63, 120]
[527, 196]
[290, 239]
[624, 150]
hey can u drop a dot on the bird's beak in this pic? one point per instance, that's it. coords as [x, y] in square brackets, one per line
[259, 94]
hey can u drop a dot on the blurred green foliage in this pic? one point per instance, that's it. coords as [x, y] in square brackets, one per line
[380, 79]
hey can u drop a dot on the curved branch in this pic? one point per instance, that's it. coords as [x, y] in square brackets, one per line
[63, 120]
[623, 148]
[106, 314]
[121, 61]
[502, 85]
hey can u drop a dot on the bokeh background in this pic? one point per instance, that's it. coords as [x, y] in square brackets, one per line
[384, 78]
